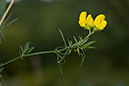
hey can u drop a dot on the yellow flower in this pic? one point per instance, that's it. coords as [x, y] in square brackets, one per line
[84, 22]
[90, 21]
[100, 22]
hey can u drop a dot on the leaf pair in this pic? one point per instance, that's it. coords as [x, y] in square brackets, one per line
[26, 49]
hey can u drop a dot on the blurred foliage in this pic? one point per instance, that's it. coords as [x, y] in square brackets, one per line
[2, 8]
[39, 22]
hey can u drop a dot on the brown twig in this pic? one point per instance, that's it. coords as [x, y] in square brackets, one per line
[6, 12]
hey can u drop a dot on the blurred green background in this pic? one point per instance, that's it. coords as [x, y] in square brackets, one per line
[38, 23]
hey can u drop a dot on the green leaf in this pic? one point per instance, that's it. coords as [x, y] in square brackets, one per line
[2, 35]
[70, 42]
[21, 51]
[1, 69]
[26, 46]
[85, 40]
[30, 49]
[91, 47]
[75, 39]
[80, 38]
[5, 21]
[83, 56]
[88, 44]
[62, 37]
[10, 22]
[2, 8]
[60, 68]
[66, 53]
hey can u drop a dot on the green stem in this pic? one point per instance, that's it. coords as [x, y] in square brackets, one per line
[90, 33]
[46, 52]
[32, 54]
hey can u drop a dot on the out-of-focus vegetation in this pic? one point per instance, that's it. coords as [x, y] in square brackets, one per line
[39, 22]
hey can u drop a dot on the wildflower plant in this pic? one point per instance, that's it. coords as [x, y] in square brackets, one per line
[79, 45]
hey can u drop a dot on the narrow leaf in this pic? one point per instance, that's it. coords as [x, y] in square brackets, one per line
[91, 47]
[66, 53]
[75, 39]
[2, 35]
[10, 22]
[26, 46]
[30, 49]
[88, 44]
[85, 40]
[5, 21]
[21, 49]
[69, 42]
[83, 56]
[80, 38]
[63, 37]
[60, 68]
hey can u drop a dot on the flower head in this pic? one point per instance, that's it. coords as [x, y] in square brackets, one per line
[86, 22]
[100, 22]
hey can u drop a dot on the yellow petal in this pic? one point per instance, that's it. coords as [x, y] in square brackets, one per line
[82, 23]
[90, 21]
[82, 19]
[100, 17]
[103, 24]
[100, 23]
[82, 16]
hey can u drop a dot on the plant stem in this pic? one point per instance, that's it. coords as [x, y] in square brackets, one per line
[32, 54]
[46, 52]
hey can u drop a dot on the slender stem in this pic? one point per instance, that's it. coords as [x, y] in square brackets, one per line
[32, 54]
[90, 33]
[38, 53]
[6, 12]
